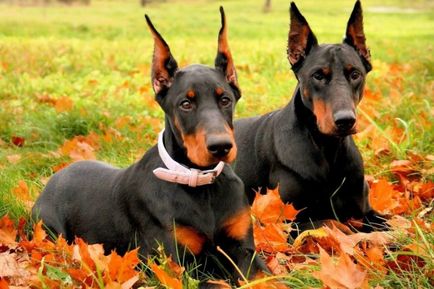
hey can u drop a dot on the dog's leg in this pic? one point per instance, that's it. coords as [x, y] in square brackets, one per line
[243, 254]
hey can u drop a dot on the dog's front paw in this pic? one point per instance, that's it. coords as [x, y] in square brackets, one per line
[214, 284]
[374, 221]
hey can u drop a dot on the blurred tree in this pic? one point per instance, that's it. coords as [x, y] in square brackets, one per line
[267, 6]
[145, 2]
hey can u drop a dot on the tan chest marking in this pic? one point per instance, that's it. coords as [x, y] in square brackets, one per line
[190, 238]
[237, 226]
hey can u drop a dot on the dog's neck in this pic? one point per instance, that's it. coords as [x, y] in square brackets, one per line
[174, 147]
[176, 172]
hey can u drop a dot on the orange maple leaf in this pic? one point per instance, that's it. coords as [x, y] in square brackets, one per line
[82, 254]
[78, 149]
[165, 278]
[343, 275]
[371, 257]
[383, 197]
[22, 191]
[8, 233]
[39, 233]
[424, 190]
[271, 237]
[278, 263]
[121, 269]
[269, 208]
[270, 230]
[174, 267]
[63, 104]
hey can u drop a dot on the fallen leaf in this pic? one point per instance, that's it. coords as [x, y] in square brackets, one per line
[63, 104]
[39, 234]
[165, 278]
[45, 98]
[18, 141]
[309, 241]
[59, 167]
[278, 263]
[174, 267]
[8, 233]
[14, 267]
[269, 208]
[220, 284]
[371, 257]
[121, 269]
[343, 275]
[13, 159]
[397, 222]
[82, 254]
[3, 283]
[271, 238]
[406, 262]
[424, 190]
[21, 191]
[78, 149]
[130, 282]
[383, 197]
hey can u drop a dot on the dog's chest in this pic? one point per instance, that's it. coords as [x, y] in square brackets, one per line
[208, 220]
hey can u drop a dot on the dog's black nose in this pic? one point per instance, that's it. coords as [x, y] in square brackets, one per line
[219, 145]
[344, 120]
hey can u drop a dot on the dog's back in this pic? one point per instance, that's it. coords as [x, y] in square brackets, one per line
[79, 201]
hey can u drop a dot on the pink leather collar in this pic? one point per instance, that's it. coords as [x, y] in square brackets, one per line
[178, 173]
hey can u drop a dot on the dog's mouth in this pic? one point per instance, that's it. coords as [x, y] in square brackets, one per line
[228, 157]
[333, 130]
[207, 160]
[206, 150]
[346, 132]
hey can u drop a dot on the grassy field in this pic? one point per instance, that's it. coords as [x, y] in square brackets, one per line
[68, 71]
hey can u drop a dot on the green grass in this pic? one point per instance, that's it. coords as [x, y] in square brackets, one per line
[99, 56]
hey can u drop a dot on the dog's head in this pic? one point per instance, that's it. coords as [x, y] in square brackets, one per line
[331, 76]
[198, 100]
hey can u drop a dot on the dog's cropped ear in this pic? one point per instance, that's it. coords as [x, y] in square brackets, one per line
[223, 60]
[164, 65]
[355, 36]
[300, 38]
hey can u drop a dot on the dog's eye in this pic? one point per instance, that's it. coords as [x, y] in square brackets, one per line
[319, 75]
[355, 74]
[225, 101]
[186, 105]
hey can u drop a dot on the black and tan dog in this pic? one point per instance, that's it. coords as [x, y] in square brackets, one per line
[306, 148]
[174, 195]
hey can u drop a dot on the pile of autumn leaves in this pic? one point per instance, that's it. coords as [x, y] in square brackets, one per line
[334, 254]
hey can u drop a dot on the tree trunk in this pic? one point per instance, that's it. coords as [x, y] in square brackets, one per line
[267, 6]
